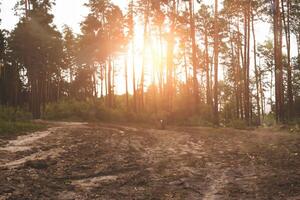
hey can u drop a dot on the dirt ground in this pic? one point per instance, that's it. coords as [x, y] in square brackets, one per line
[109, 161]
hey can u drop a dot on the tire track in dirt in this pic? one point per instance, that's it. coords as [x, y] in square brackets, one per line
[214, 190]
[26, 143]
[29, 155]
[111, 161]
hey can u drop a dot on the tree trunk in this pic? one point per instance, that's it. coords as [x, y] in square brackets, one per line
[146, 19]
[194, 57]
[216, 61]
[261, 92]
[242, 80]
[286, 22]
[106, 82]
[101, 78]
[278, 63]
[126, 84]
[113, 84]
[256, 71]
[133, 79]
[170, 64]
[246, 63]
[234, 73]
[208, 91]
[109, 87]
[95, 81]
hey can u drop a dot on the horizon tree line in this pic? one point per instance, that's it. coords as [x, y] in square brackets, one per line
[204, 60]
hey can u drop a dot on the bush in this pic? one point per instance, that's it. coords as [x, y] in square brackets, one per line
[197, 120]
[72, 110]
[15, 121]
[238, 124]
[8, 128]
[82, 111]
[14, 114]
[269, 120]
[95, 110]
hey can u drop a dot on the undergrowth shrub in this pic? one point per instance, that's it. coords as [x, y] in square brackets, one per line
[71, 110]
[238, 124]
[95, 110]
[269, 120]
[197, 120]
[8, 127]
[82, 110]
[15, 121]
[14, 114]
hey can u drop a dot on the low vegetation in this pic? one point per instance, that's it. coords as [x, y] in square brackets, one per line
[15, 121]
[9, 129]
[96, 111]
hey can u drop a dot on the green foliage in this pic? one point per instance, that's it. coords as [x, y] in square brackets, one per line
[38, 64]
[81, 111]
[269, 119]
[196, 120]
[73, 110]
[14, 114]
[238, 124]
[69, 110]
[295, 128]
[8, 128]
[15, 121]
[203, 117]
[36, 46]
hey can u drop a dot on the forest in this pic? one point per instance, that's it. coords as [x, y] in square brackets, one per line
[150, 99]
[181, 61]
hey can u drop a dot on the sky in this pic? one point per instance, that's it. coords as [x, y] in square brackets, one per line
[69, 12]
[72, 12]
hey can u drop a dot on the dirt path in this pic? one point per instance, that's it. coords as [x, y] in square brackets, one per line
[106, 161]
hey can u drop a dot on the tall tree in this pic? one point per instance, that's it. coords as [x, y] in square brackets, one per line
[131, 26]
[279, 95]
[286, 23]
[216, 62]
[70, 52]
[105, 26]
[256, 70]
[38, 47]
[204, 20]
[194, 57]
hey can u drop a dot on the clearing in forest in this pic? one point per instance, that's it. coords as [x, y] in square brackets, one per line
[111, 161]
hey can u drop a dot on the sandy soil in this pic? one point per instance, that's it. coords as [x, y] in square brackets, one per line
[109, 161]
